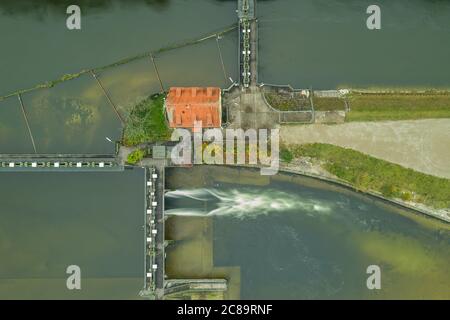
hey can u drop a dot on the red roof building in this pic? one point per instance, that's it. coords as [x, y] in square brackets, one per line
[185, 106]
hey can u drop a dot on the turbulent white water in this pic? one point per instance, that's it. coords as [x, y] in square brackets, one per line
[244, 203]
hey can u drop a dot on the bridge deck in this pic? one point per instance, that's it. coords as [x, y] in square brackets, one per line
[248, 42]
[246, 9]
[155, 233]
[58, 162]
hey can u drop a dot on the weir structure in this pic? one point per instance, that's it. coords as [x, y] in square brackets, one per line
[248, 43]
[155, 283]
[245, 102]
[154, 231]
[59, 162]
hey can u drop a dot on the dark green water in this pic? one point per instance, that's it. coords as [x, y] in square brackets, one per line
[49, 221]
[324, 44]
[37, 46]
[296, 238]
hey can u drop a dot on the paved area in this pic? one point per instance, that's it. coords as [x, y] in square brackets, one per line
[423, 145]
[247, 109]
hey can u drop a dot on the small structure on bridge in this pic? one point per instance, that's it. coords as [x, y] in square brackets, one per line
[187, 105]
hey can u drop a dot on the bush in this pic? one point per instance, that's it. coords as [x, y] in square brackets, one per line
[147, 122]
[388, 190]
[286, 155]
[136, 156]
[406, 196]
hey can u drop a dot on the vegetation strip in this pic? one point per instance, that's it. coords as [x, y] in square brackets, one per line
[367, 173]
[329, 103]
[398, 106]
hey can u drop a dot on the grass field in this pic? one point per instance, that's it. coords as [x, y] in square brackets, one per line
[328, 104]
[369, 173]
[398, 106]
[147, 122]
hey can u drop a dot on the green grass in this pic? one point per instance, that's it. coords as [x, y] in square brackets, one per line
[369, 173]
[147, 122]
[285, 102]
[398, 106]
[136, 156]
[328, 104]
[286, 155]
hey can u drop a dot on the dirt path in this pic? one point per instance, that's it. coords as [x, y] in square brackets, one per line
[423, 145]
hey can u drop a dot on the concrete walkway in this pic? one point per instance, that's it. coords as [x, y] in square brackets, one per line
[247, 109]
[422, 145]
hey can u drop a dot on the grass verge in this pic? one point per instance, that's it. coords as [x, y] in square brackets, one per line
[328, 104]
[369, 173]
[398, 106]
[147, 122]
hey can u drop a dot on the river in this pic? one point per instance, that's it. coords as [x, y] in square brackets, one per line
[292, 237]
[50, 221]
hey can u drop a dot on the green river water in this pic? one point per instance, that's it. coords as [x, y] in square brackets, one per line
[291, 237]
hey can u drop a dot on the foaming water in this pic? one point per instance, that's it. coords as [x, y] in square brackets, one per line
[243, 202]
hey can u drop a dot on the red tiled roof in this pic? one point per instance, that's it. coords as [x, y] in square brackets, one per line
[184, 106]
